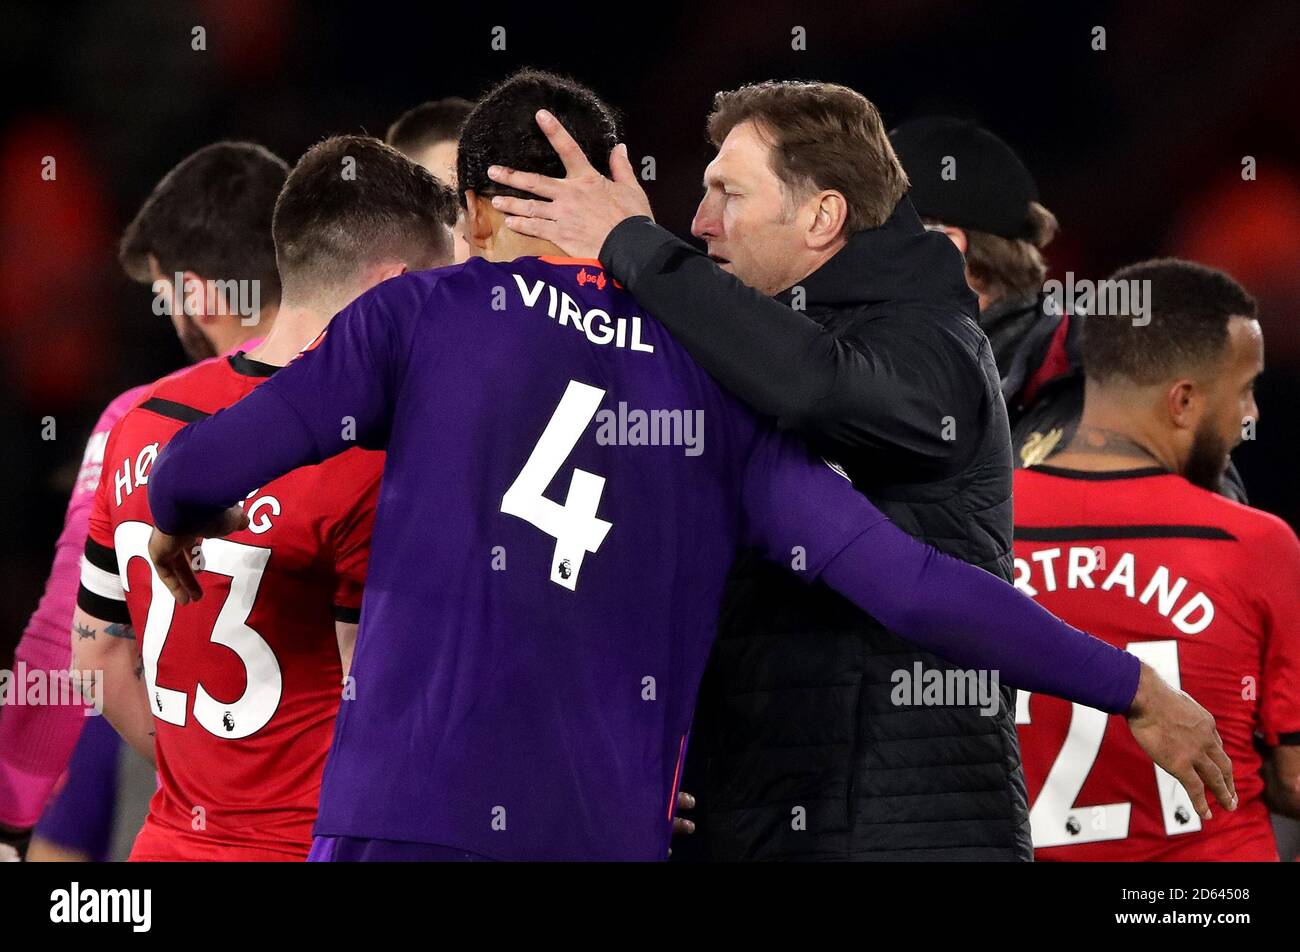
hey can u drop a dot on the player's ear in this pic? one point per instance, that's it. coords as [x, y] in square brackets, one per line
[1185, 402]
[201, 299]
[478, 220]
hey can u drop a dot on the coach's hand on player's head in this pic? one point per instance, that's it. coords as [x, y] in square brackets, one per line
[1180, 736]
[581, 209]
[176, 559]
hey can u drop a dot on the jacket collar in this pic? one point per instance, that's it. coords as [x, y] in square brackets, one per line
[898, 262]
[1033, 346]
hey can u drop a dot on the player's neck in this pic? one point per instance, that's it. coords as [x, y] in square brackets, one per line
[506, 245]
[1115, 436]
[226, 335]
[296, 326]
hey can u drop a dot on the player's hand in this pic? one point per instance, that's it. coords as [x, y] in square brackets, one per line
[176, 559]
[1180, 736]
[577, 212]
[681, 825]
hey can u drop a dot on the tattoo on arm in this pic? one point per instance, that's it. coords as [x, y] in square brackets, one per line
[115, 630]
[120, 631]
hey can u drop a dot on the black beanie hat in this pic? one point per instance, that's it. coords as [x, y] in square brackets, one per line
[987, 187]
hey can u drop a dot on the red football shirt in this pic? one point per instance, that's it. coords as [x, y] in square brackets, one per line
[244, 684]
[1204, 590]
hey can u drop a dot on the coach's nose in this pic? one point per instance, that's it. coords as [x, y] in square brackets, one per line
[707, 223]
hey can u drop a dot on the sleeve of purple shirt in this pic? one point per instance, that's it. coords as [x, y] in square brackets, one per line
[338, 395]
[803, 514]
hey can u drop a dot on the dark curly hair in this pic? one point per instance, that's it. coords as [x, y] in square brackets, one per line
[1190, 307]
[502, 130]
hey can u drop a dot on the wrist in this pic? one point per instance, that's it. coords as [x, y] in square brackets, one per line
[1149, 686]
[608, 247]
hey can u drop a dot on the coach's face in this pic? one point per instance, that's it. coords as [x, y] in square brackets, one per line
[1230, 401]
[752, 226]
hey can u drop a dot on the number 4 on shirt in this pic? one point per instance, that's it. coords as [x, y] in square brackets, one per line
[574, 525]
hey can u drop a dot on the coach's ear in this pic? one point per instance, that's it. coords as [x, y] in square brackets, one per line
[478, 220]
[829, 212]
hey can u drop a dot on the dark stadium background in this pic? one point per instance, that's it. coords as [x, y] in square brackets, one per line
[1137, 149]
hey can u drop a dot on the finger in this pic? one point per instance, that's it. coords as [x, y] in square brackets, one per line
[530, 182]
[231, 520]
[620, 166]
[534, 227]
[1196, 791]
[570, 153]
[183, 565]
[525, 207]
[682, 826]
[169, 577]
[1212, 774]
[685, 801]
[1225, 766]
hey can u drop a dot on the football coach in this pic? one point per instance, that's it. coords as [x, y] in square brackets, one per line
[824, 302]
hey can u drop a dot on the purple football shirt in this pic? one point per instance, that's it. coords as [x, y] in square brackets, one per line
[564, 493]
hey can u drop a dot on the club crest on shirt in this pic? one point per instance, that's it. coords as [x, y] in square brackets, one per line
[598, 279]
[1039, 446]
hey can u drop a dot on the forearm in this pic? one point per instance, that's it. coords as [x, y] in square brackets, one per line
[37, 740]
[213, 464]
[331, 397]
[974, 619]
[106, 666]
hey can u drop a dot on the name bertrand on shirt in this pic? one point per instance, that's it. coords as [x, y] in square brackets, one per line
[1082, 562]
